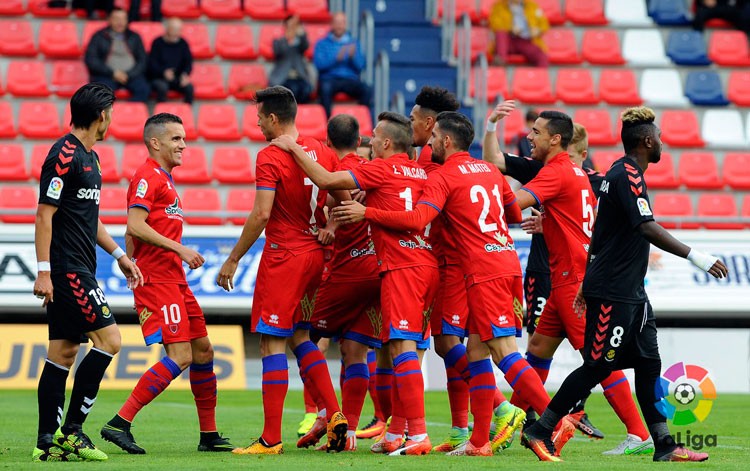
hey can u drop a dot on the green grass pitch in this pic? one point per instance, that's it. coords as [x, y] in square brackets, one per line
[167, 429]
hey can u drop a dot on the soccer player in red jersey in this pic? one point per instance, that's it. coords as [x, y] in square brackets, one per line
[474, 198]
[289, 207]
[620, 324]
[168, 311]
[408, 267]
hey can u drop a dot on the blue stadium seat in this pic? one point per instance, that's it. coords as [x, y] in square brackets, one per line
[704, 88]
[687, 48]
[669, 12]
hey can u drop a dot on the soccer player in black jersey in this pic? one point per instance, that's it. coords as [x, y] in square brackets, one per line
[620, 324]
[67, 232]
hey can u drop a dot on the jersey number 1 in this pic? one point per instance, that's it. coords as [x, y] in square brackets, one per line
[409, 205]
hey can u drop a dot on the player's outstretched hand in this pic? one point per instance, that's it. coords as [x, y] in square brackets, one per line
[718, 270]
[708, 263]
[284, 142]
[349, 212]
[131, 272]
[226, 275]
[533, 223]
[43, 288]
[579, 303]
[502, 110]
[192, 258]
[326, 236]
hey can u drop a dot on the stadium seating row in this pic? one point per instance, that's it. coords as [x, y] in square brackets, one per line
[309, 10]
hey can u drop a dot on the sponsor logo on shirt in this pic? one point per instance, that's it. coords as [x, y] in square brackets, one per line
[173, 210]
[54, 190]
[89, 194]
[140, 192]
[502, 244]
[643, 207]
[369, 250]
[106, 313]
[420, 244]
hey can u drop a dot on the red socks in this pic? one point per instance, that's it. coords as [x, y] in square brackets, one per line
[203, 385]
[310, 406]
[524, 381]
[383, 387]
[354, 392]
[482, 389]
[410, 385]
[371, 367]
[617, 391]
[151, 384]
[541, 366]
[275, 386]
[458, 398]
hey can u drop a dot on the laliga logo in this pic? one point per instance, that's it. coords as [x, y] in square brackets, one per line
[678, 390]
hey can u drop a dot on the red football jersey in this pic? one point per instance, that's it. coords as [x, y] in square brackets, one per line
[564, 193]
[395, 184]
[472, 195]
[152, 189]
[297, 210]
[353, 250]
[440, 244]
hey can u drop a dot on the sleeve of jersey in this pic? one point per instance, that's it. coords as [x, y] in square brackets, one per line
[369, 175]
[632, 197]
[266, 172]
[512, 210]
[402, 220]
[56, 171]
[142, 192]
[521, 168]
[544, 186]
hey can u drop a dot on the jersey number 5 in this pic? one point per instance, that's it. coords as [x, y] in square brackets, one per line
[588, 213]
[478, 190]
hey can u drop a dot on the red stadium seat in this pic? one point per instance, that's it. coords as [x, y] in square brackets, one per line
[315, 32]
[603, 159]
[16, 38]
[235, 41]
[240, 202]
[108, 163]
[716, 208]
[113, 202]
[59, 39]
[745, 214]
[194, 168]
[551, 9]
[7, 128]
[598, 124]
[699, 171]
[12, 8]
[496, 83]
[360, 112]
[680, 129]
[309, 10]
[27, 79]
[127, 122]
[513, 125]
[91, 27]
[246, 79]
[38, 155]
[736, 170]
[42, 8]
[150, 30]
[185, 112]
[67, 77]
[208, 81]
[312, 121]
[13, 163]
[18, 198]
[200, 206]
[729, 48]
[739, 88]
[562, 47]
[532, 85]
[187, 9]
[585, 12]
[468, 7]
[265, 9]
[39, 120]
[602, 46]
[672, 206]
[196, 35]
[232, 165]
[619, 87]
[576, 87]
[133, 156]
[218, 123]
[660, 176]
[250, 124]
[481, 41]
[265, 41]
[222, 9]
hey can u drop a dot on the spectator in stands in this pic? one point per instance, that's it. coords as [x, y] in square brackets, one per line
[339, 61]
[115, 57]
[135, 10]
[736, 12]
[290, 67]
[520, 140]
[170, 63]
[519, 26]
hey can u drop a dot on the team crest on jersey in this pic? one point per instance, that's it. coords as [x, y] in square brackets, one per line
[173, 328]
[643, 207]
[610, 356]
[106, 313]
[140, 192]
[54, 190]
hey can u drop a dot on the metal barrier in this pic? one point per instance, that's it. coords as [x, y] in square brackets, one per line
[480, 97]
[367, 43]
[382, 82]
[464, 58]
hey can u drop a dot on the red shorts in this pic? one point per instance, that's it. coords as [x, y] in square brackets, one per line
[285, 288]
[496, 308]
[406, 297]
[168, 313]
[349, 310]
[559, 319]
[451, 307]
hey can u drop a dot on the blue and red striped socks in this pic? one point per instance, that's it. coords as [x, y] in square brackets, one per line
[353, 393]
[383, 388]
[410, 385]
[541, 366]
[314, 369]
[617, 391]
[458, 388]
[275, 386]
[151, 384]
[482, 389]
[371, 385]
[203, 385]
[524, 381]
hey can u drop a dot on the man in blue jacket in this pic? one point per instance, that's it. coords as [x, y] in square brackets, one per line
[339, 61]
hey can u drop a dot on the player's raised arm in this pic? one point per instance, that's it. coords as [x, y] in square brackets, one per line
[490, 147]
[351, 211]
[320, 176]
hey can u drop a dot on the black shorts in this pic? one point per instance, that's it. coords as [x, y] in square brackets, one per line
[79, 307]
[619, 335]
[536, 289]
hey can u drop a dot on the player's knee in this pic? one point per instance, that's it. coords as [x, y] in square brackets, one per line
[597, 372]
[203, 355]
